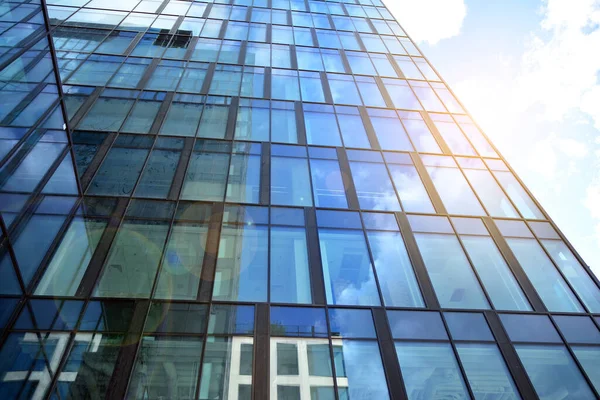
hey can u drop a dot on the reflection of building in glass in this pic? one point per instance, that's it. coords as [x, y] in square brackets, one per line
[258, 199]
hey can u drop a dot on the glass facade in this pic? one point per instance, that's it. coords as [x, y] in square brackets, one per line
[266, 199]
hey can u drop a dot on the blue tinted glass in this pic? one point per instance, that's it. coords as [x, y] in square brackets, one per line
[553, 372]
[158, 174]
[501, 285]
[486, 371]
[360, 362]
[550, 285]
[226, 319]
[338, 219]
[242, 265]
[453, 279]
[577, 329]
[112, 316]
[290, 275]
[351, 323]
[396, 277]
[31, 247]
[49, 314]
[321, 128]
[529, 328]
[6, 308]
[290, 182]
[589, 358]
[416, 325]
[298, 321]
[9, 283]
[374, 187]
[119, 172]
[468, 326]
[430, 368]
[328, 187]
[178, 318]
[347, 268]
[24, 352]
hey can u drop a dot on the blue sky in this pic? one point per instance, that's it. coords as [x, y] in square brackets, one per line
[529, 73]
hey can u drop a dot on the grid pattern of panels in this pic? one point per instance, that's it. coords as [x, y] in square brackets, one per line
[266, 199]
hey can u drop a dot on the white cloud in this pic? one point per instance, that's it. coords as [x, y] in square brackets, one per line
[429, 20]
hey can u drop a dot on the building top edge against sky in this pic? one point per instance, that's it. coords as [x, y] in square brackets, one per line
[266, 199]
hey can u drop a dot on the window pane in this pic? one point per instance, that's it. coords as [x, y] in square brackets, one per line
[290, 276]
[133, 259]
[493, 198]
[399, 286]
[486, 371]
[410, 189]
[321, 126]
[241, 273]
[453, 279]
[417, 325]
[468, 326]
[390, 132]
[106, 115]
[327, 183]
[589, 358]
[25, 358]
[92, 379]
[347, 268]
[360, 363]
[497, 278]
[205, 177]
[182, 264]
[553, 372]
[214, 121]
[577, 329]
[253, 123]
[524, 203]
[226, 368]
[373, 187]
[298, 321]
[575, 273]
[551, 287]
[430, 371]
[142, 116]
[158, 174]
[455, 191]
[290, 182]
[351, 323]
[182, 119]
[530, 328]
[243, 184]
[166, 367]
[69, 263]
[119, 172]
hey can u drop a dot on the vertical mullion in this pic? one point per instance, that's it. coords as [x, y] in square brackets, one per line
[265, 173]
[417, 262]
[123, 370]
[260, 370]
[510, 356]
[435, 132]
[314, 257]
[434, 196]
[534, 299]
[209, 263]
[349, 188]
[388, 355]
[179, 176]
[96, 263]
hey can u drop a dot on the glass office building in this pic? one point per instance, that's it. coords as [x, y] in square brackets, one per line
[266, 199]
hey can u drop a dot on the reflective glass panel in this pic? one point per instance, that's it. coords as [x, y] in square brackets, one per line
[347, 268]
[430, 371]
